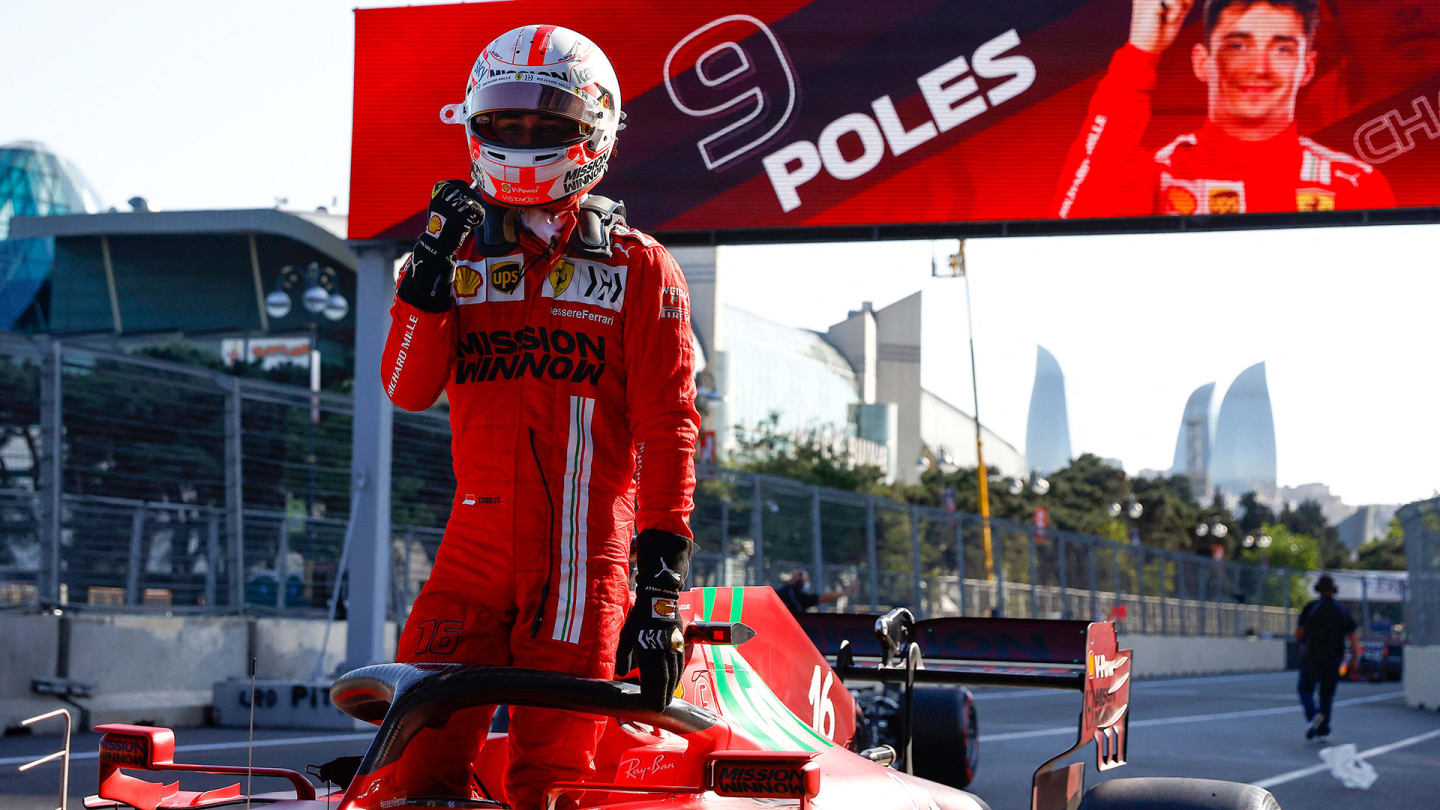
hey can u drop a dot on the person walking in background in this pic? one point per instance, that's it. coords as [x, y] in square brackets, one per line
[1323, 628]
[798, 597]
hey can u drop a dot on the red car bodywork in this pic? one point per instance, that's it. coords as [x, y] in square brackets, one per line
[770, 718]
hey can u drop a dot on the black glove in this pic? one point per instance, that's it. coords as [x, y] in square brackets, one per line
[455, 210]
[652, 632]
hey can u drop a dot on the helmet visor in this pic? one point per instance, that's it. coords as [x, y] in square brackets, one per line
[530, 97]
[523, 128]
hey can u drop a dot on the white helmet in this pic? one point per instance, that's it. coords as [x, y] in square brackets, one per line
[545, 69]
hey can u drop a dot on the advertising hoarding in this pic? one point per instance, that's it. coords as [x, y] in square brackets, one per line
[845, 118]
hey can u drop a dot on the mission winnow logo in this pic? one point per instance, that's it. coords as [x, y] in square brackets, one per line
[503, 354]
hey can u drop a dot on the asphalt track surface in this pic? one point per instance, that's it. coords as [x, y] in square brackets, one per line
[1245, 727]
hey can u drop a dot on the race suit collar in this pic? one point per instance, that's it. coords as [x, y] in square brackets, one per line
[1270, 152]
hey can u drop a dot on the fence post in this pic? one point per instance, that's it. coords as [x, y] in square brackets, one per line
[725, 567]
[1364, 605]
[1260, 599]
[52, 477]
[999, 578]
[234, 489]
[817, 551]
[1164, 590]
[1064, 580]
[757, 532]
[1204, 604]
[919, 602]
[960, 563]
[212, 556]
[282, 559]
[1181, 592]
[1034, 574]
[132, 563]
[1094, 600]
[1139, 552]
[870, 555]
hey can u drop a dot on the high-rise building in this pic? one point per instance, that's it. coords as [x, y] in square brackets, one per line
[1047, 430]
[1243, 456]
[1192, 444]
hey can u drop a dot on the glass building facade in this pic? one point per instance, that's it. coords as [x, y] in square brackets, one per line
[1047, 429]
[772, 363]
[34, 181]
[1192, 442]
[1243, 455]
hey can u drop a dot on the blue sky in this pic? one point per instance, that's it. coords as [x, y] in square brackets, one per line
[219, 105]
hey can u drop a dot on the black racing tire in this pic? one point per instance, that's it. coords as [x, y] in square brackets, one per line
[1166, 793]
[946, 742]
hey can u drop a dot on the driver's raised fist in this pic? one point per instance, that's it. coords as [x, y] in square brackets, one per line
[1154, 24]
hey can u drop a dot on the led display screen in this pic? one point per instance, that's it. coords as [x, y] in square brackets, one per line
[794, 117]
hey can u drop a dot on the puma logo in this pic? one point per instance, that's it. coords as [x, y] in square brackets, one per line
[665, 569]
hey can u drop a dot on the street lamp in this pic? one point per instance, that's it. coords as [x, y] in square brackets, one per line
[1254, 541]
[1038, 484]
[1131, 509]
[318, 287]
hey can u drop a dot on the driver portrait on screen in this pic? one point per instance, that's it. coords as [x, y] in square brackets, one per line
[1247, 157]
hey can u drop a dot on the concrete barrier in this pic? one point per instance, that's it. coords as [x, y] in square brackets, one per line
[182, 671]
[29, 650]
[279, 704]
[162, 669]
[1174, 656]
[286, 649]
[158, 670]
[1422, 676]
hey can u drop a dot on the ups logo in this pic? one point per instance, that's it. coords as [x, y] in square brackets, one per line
[1225, 201]
[467, 281]
[505, 277]
[560, 276]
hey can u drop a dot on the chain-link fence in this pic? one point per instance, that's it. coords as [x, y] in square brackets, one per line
[134, 484]
[1421, 522]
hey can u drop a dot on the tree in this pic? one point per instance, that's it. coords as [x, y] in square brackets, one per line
[1384, 553]
[1308, 518]
[765, 449]
[1297, 552]
[1254, 515]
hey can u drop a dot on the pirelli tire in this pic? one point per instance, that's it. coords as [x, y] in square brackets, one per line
[946, 742]
[1167, 793]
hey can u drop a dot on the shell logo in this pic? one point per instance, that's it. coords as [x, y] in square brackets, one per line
[1181, 200]
[434, 225]
[467, 280]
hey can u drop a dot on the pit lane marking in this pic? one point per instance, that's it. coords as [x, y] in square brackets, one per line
[1290, 776]
[1189, 718]
[225, 746]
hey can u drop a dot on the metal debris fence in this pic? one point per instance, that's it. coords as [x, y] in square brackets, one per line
[130, 484]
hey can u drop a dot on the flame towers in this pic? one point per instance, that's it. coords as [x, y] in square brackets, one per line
[1244, 449]
[1239, 456]
[1047, 430]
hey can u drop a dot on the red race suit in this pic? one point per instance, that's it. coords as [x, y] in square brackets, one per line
[571, 387]
[1108, 174]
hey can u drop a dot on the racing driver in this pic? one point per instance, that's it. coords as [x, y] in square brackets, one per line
[1248, 156]
[562, 339]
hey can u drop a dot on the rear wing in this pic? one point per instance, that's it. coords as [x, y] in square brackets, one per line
[1027, 653]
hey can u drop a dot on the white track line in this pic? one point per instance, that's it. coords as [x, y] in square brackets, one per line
[225, 746]
[1291, 776]
[1191, 718]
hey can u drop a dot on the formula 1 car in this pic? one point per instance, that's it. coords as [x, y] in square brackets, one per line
[764, 718]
